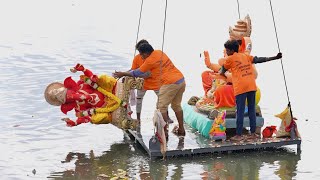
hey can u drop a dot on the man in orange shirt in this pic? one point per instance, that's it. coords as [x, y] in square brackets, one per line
[151, 81]
[244, 84]
[172, 83]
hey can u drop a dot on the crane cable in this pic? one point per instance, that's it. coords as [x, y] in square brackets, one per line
[238, 8]
[163, 35]
[135, 50]
[284, 76]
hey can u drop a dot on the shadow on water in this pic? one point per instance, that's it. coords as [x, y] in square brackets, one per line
[128, 160]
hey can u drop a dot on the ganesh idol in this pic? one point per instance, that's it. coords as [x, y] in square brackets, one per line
[218, 89]
[95, 99]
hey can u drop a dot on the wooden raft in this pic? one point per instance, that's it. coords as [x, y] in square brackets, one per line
[194, 143]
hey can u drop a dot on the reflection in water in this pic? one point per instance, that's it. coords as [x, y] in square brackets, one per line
[248, 165]
[128, 157]
[88, 166]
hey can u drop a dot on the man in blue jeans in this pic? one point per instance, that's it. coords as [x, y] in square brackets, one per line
[244, 83]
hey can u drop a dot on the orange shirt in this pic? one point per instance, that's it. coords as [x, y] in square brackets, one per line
[169, 73]
[137, 62]
[150, 83]
[243, 76]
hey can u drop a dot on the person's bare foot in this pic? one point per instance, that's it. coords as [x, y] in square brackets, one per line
[178, 131]
[181, 132]
[253, 136]
[236, 138]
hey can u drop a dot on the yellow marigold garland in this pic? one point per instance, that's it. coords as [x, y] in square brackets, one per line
[101, 118]
[106, 82]
[111, 96]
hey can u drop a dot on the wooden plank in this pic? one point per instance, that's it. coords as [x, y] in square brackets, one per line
[194, 143]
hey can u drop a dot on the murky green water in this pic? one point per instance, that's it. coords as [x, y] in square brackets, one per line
[41, 40]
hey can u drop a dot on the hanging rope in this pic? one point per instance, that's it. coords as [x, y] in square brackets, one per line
[284, 76]
[135, 50]
[274, 25]
[165, 128]
[163, 35]
[238, 8]
[164, 24]
[138, 27]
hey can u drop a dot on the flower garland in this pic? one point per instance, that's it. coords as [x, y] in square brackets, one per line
[111, 96]
[104, 110]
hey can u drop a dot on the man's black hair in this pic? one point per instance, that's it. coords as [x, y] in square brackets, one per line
[145, 48]
[142, 41]
[232, 45]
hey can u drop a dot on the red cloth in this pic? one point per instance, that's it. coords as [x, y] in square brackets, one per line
[207, 78]
[268, 131]
[291, 125]
[224, 97]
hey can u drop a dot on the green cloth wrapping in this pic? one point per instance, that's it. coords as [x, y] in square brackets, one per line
[203, 124]
[196, 120]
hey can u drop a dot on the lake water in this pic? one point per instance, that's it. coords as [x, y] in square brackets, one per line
[40, 41]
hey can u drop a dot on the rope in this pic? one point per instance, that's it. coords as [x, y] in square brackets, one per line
[238, 8]
[135, 50]
[274, 25]
[284, 76]
[164, 25]
[138, 27]
[163, 35]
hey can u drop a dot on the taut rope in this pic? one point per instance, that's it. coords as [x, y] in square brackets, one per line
[238, 8]
[284, 76]
[138, 27]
